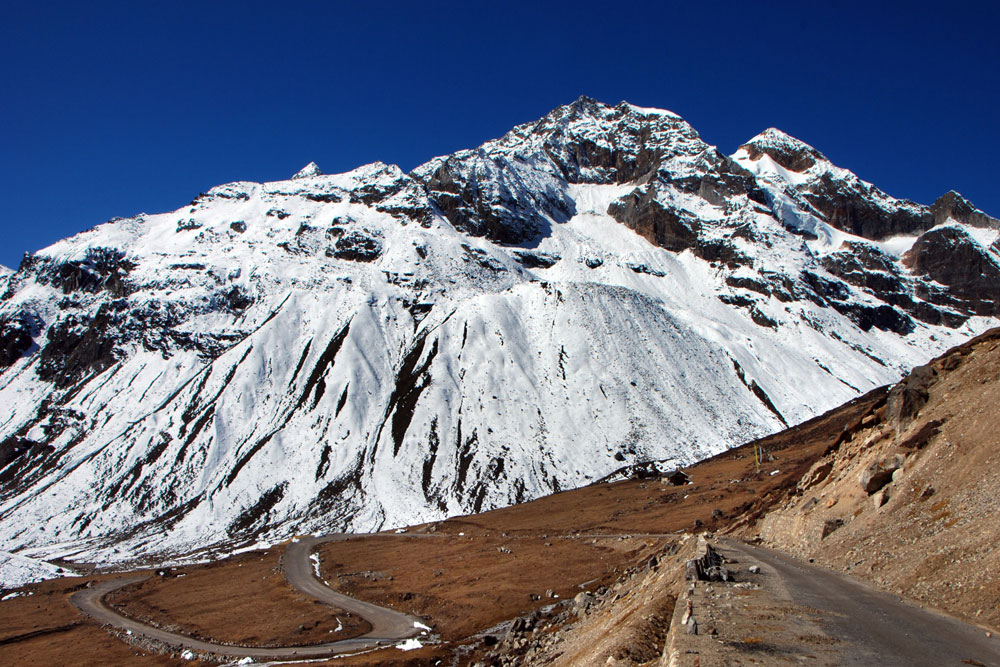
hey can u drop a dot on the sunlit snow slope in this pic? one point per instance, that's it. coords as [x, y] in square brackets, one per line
[375, 348]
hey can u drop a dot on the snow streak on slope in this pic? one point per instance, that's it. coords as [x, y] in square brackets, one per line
[371, 349]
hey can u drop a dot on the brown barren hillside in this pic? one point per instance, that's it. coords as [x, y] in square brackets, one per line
[909, 500]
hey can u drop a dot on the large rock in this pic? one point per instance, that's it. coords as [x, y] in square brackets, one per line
[878, 474]
[908, 396]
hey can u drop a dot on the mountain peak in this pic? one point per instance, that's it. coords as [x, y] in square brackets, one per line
[308, 171]
[789, 152]
[952, 205]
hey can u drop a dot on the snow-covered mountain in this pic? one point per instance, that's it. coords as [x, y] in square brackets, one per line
[375, 348]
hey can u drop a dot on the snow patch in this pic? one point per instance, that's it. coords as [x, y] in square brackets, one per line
[409, 645]
[315, 561]
[17, 570]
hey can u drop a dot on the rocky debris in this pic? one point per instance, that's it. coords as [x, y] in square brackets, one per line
[927, 456]
[816, 474]
[706, 565]
[625, 623]
[829, 526]
[754, 569]
[582, 602]
[881, 497]
[238, 226]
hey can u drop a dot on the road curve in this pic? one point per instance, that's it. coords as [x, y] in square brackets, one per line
[388, 626]
[875, 628]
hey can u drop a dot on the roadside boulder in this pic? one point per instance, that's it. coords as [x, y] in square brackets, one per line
[878, 474]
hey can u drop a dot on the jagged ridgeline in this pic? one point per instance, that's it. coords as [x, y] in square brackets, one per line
[357, 351]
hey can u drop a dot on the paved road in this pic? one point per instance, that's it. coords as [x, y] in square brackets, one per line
[388, 626]
[875, 628]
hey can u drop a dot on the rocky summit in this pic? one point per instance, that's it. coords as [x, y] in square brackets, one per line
[593, 290]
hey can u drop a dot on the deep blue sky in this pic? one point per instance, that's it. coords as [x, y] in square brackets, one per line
[115, 108]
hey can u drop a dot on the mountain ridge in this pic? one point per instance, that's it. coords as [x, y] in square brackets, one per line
[376, 348]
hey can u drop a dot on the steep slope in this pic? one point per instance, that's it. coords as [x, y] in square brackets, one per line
[377, 348]
[907, 499]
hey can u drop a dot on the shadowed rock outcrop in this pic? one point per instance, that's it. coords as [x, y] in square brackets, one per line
[951, 257]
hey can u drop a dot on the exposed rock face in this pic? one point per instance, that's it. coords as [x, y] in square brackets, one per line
[950, 256]
[357, 246]
[866, 266]
[786, 151]
[641, 212]
[15, 338]
[853, 210]
[954, 206]
[839, 197]
[78, 347]
[101, 269]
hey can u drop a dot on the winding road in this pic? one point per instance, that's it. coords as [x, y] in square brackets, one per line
[875, 628]
[388, 626]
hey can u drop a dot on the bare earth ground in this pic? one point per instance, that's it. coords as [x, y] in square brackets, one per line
[44, 629]
[266, 610]
[465, 584]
